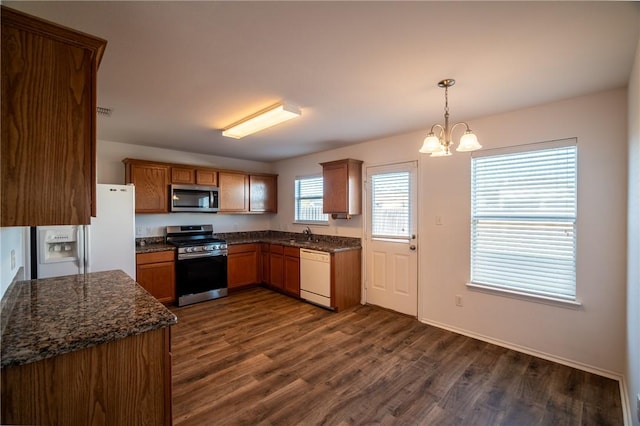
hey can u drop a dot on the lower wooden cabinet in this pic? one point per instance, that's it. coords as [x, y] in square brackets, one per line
[292, 270]
[264, 263]
[243, 263]
[276, 266]
[124, 382]
[156, 273]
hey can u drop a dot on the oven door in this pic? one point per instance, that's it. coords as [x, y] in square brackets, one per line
[201, 278]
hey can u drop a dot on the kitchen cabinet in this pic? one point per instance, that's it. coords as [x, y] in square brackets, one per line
[48, 149]
[263, 193]
[194, 176]
[346, 279]
[183, 175]
[276, 266]
[243, 261]
[207, 177]
[156, 273]
[234, 192]
[292, 271]
[152, 185]
[342, 188]
[284, 269]
[264, 263]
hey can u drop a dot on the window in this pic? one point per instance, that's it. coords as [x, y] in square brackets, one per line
[390, 205]
[523, 213]
[308, 203]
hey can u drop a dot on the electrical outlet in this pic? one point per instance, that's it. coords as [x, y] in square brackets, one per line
[13, 260]
[458, 300]
[139, 231]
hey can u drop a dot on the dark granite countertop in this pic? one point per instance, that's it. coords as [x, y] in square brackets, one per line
[154, 247]
[326, 243]
[49, 317]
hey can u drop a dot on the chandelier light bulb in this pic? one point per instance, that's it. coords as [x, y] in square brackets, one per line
[431, 144]
[468, 142]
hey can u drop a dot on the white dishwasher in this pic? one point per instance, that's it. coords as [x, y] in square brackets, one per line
[315, 277]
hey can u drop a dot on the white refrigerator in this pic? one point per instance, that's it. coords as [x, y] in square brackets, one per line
[107, 244]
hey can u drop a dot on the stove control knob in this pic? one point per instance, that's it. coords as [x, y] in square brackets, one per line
[189, 249]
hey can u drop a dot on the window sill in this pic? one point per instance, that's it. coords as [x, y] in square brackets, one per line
[547, 300]
[310, 222]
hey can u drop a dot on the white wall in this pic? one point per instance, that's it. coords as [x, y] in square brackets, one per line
[11, 239]
[592, 336]
[633, 241]
[110, 169]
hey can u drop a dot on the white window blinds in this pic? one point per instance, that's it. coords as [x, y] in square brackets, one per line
[523, 232]
[390, 207]
[308, 200]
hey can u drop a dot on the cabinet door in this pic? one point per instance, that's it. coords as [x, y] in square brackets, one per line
[264, 264]
[342, 187]
[48, 123]
[234, 192]
[335, 190]
[158, 279]
[152, 187]
[276, 269]
[207, 177]
[263, 193]
[242, 265]
[292, 275]
[183, 175]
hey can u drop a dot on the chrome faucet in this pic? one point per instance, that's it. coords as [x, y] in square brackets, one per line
[307, 232]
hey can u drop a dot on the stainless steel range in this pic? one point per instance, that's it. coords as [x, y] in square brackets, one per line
[201, 263]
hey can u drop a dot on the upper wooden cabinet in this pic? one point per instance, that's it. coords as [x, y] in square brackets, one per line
[342, 188]
[207, 177]
[48, 148]
[183, 175]
[234, 192]
[194, 176]
[263, 193]
[152, 185]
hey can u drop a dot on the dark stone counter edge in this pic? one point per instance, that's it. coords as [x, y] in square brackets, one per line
[314, 245]
[84, 344]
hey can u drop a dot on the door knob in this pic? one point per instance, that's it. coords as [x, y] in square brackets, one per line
[412, 247]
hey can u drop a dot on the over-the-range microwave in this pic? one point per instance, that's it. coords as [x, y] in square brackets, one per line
[194, 198]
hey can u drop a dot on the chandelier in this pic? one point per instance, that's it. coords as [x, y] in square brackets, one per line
[440, 144]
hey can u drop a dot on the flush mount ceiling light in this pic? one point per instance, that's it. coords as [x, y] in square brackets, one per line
[263, 119]
[439, 145]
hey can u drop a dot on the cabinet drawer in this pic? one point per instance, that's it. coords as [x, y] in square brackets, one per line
[155, 257]
[292, 251]
[242, 248]
[276, 248]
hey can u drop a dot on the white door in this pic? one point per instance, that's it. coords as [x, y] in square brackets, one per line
[391, 272]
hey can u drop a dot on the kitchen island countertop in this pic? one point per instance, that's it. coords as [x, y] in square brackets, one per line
[49, 317]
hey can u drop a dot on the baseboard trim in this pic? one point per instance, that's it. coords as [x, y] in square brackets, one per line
[529, 351]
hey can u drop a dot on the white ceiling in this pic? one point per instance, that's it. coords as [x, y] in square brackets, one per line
[175, 73]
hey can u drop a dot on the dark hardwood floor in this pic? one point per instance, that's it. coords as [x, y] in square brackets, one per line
[258, 357]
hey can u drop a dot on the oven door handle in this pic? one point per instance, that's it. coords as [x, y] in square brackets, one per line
[185, 256]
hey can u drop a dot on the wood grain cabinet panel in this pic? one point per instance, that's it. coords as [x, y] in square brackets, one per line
[276, 266]
[264, 263]
[207, 177]
[152, 185]
[242, 265]
[234, 192]
[127, 381]
[263, 193]
[156, 273]
[342, 188]
[48, 149]
[292, 271]
[183, 175]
